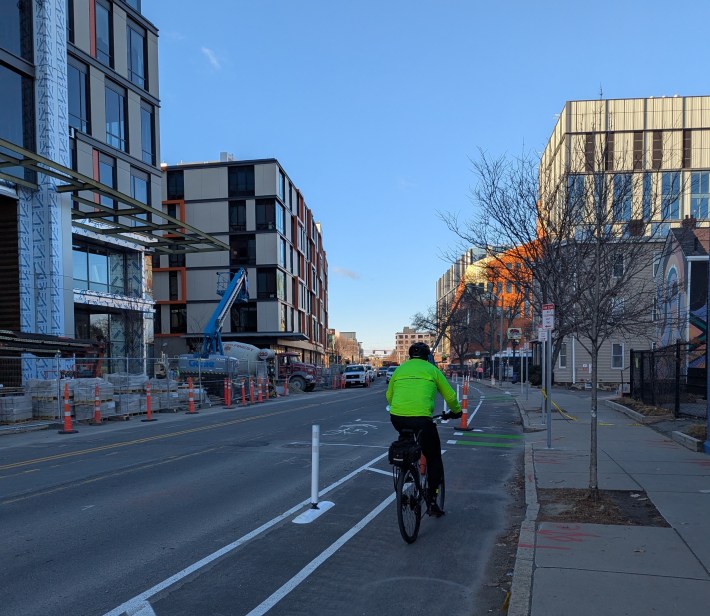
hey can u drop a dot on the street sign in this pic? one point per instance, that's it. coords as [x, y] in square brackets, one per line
[548, 316]
[542, 334]
[515, 333]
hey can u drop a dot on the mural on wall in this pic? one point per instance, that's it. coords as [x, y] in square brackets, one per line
[697, 314]
[669, 301]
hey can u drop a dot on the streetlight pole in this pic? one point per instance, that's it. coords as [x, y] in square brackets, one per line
[500, 356]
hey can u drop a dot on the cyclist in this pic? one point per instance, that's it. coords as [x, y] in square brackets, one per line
[411, 394]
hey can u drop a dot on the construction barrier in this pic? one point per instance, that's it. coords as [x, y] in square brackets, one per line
[97, 407]
[148, 405]
[464, 409]
[190, 398]
[67, 413]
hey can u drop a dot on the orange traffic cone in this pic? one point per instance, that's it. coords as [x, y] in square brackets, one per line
[67, 413]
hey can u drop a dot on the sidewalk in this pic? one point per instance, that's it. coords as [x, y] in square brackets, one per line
[583, 569]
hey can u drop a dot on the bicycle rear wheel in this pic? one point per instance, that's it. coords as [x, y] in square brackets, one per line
[409, 504]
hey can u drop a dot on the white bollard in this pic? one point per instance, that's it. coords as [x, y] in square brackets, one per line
[315, 451]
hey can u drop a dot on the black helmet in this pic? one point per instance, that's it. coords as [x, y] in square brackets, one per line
[419, 350]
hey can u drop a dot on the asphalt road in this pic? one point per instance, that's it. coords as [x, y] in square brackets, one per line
[196, 514]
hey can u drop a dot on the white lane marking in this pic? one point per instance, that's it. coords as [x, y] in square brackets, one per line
[472, 415]
[340, 445]
[142, 610]
[138, 600]
[453, 442]
[313, 513]
[87, 507]
[270, 602]
[377, 470]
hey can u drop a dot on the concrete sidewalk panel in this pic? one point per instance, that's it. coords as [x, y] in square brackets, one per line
[616, 549]
[606, 481]
[688, 515]
[673, 483]
[562, 592]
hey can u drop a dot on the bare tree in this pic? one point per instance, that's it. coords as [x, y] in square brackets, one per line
[584, 236]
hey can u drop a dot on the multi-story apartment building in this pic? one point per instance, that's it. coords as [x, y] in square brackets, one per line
[655, 154]
[80, 181]
[256, 211]
[407, 337]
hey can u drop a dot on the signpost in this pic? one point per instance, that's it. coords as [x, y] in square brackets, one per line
[548, 324]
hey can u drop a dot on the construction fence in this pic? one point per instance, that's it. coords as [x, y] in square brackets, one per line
[33, 388]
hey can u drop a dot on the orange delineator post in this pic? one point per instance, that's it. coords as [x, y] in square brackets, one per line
[258, 390]
[97, 407]
[286, 387]
[244, 394]
[464, 408]
[148, 405]
[228, 393]
[67, 413]
[190, 398]
[251, 391]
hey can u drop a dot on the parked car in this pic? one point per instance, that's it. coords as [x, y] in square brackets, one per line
[390, 372]
[382, 371]
[371, 372]
[356, 374]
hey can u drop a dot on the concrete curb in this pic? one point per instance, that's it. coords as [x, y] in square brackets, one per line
[642, 419]
[521, 587]
[687, 441]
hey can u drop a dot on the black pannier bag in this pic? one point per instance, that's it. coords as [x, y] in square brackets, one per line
[404, 452]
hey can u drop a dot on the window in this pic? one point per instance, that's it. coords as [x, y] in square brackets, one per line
[638, 150]
[237, 215]
[140, 191]
[242, 249]
[280, 218]
[78, 93]
[621, 206]
[107, 175]
[647, 196]
[609, 158]
[17, 115]
[147, 134]
[617, 308]
[136, 55]
[575, 196]
[178, 320]
[16, 29]
[243, 317]
[266, 283]
[562, 357]
[670, 195]
[176, 259]
[104, 34]
[265, 214]
[91, 268]
[176, 185]
[241, 181]
[687, 149]
[657, 153]
[589, 152]
[618, 267]
[617, 356]
[699, 194]
[281, 285]
[116, 117]
[173, 286]
[282, 252]
[134, 4]
[282, 187]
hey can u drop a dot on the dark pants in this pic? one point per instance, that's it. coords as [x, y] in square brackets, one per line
[431, 445]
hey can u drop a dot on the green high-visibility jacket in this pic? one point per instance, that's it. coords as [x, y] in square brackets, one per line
[412, 390]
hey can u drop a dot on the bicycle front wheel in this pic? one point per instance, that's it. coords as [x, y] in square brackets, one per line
[409, 504]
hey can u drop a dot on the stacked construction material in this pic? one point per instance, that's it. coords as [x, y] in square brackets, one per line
[48, 397]
[164, 395]
[199, 395]
[85, 398]
[15, 408]
[129, 392]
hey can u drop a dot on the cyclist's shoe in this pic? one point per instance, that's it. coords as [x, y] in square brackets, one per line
[435, 511]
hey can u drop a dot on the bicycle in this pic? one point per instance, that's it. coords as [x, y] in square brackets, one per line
[409, 474]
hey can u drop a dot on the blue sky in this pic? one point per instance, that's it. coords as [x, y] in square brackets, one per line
[375, 107]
